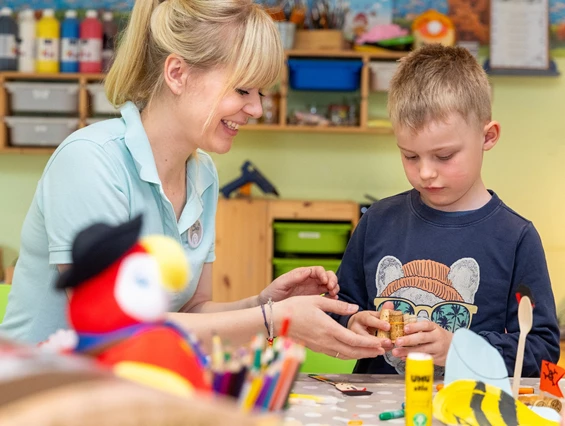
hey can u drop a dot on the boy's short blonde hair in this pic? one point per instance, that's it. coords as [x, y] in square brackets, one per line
[436, 81]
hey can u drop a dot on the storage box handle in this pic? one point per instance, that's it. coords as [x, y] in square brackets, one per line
[40, 94]
[309, 235]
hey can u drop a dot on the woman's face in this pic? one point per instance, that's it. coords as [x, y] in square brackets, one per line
[197, 102]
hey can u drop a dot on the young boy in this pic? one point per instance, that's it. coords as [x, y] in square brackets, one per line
[449, 251]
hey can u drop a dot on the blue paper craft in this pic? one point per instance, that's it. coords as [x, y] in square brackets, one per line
[471, 357]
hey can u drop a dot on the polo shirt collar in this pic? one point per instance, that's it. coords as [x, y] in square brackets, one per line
[199, 176]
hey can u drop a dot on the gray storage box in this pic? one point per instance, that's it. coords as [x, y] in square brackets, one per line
[44, 97]
[40, 131]
[99, 102]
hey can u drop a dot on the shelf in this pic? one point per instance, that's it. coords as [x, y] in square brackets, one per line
[384, 54]
[50, 76]
[552, 71]
[317, 129]
[27, 150]
[85, 108]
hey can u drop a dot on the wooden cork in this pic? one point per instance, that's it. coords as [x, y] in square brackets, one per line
[541, 401]
[385, 314]
[396, 321]
[409, 319]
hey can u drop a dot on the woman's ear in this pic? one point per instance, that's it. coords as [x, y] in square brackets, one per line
[175, 73]
[491, 134]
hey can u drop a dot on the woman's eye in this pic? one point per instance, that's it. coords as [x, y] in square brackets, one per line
[242, 92]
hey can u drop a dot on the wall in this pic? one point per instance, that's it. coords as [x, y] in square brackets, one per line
[526, 168]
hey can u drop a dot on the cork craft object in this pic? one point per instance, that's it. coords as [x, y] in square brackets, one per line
[397, 321]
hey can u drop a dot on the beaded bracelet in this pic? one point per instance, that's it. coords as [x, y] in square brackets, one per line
[268, 325]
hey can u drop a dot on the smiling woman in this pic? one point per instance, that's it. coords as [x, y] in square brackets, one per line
[187, 75]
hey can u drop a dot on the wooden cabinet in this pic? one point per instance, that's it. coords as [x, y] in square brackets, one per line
[240, 269]
[244, 239]
[84, 105]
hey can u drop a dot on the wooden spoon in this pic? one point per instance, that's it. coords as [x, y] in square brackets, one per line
[525, 319]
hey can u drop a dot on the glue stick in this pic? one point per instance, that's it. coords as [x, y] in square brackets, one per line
[419, 387]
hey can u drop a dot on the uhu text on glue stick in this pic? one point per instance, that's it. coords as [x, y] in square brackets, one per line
[419, 387]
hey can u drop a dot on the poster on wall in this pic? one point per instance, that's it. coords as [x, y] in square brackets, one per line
[471, 19]
[364, 15]
[409, 9]
[557, 26]
[519, 36]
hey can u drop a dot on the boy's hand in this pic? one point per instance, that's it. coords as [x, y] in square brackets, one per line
[424, 336]
[367, 323]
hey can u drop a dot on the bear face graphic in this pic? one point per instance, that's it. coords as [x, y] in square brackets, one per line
[429, 290]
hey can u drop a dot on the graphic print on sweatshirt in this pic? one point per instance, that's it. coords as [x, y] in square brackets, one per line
[431, 291]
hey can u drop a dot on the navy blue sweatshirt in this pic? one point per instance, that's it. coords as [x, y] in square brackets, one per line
[457, 269]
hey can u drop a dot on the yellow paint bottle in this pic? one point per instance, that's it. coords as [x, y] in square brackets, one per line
[419, 387]
[48, 34]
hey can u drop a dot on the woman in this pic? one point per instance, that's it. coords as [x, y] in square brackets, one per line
[186, 75]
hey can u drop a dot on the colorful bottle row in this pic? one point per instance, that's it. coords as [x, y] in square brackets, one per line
[50, 46]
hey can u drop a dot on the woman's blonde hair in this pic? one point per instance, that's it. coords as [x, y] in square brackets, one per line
[236, 34]
[435, 81]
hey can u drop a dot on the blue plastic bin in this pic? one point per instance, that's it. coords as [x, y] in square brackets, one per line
[324, 74]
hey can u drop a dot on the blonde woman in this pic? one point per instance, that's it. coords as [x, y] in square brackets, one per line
[187, 74]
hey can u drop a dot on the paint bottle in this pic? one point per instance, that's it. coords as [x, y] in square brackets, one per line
[8, 41]
[419, 388]
[48, 32]
[110, 30]
[26, 48]
[91, 43]
[70, 42]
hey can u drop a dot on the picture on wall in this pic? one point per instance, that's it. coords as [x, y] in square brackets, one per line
[471, 19]
[557, 26]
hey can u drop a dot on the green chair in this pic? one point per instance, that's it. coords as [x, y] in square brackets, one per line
[324, 364]
[4, 291]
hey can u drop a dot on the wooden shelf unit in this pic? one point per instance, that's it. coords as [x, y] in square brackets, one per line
[245, 243]
[83, 112]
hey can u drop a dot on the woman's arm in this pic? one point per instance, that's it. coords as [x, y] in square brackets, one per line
[201, 301]
[309, 325]
[306, 281]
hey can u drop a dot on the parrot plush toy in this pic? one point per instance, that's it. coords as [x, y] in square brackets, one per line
[118, 305]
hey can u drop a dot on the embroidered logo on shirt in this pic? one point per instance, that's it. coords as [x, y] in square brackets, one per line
[195, 234]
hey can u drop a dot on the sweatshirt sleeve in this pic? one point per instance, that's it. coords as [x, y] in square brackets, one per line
[351, 274]
[542, 343]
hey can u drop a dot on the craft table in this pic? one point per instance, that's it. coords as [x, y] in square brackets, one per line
[388, 395]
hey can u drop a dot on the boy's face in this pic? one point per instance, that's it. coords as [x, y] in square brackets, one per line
[443, 162]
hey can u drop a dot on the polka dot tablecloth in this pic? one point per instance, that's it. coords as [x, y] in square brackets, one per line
[388, 395]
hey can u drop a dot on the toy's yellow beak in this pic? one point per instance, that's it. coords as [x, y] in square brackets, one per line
[175, 271]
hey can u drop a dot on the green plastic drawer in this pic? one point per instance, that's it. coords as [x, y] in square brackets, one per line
[315, 238]
[282, 266]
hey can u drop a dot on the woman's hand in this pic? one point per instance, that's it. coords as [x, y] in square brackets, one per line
[313, 280]
[424, 336]
[311, 326]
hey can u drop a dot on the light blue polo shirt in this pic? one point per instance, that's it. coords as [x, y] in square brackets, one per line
[103, 173]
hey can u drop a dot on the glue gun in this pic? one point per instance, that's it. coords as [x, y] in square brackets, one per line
[249, 174]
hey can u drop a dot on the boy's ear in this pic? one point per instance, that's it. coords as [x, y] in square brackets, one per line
[491, 133]
[175, 73]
